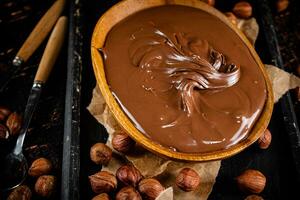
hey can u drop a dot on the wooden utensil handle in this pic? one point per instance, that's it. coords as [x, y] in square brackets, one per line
[41, 30]
[52, 50]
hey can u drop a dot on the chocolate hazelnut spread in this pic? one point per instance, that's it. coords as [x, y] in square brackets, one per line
[184, 78]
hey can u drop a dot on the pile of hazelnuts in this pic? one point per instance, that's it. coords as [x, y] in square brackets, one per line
[45, 183]
[10, 126]
[243, 10]
[129, 183]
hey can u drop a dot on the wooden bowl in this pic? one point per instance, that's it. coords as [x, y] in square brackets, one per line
[128, 7]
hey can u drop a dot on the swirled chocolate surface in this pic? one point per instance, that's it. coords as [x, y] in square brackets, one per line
[184, 78]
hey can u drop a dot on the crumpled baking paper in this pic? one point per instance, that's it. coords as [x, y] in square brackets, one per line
[281, 81]
[166, 170]
[151, 165]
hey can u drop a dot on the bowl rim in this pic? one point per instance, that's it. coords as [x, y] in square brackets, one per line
[105, 22]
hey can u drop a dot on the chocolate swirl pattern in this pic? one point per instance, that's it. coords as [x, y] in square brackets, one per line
[189, 85]
[185, 65]
[179, 58]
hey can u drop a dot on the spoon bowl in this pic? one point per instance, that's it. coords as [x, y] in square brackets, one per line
[13, 171]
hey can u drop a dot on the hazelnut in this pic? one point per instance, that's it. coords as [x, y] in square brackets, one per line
[45, 185]
[209, 2]
[128, 193]
[254, 197]
[282, 5]
[232, 18]
[103, 181]
[265, 139]
[122, 142]
[100, 153]
[4, 133]
[242, 10]
[22, 192]
[4, 113]
[150, 188]
[129, 175]
[102, 196]
[252, 181]
[40, 166]
[188, 179]
[13, 123]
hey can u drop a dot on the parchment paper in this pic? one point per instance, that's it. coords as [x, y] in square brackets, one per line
[166, 170]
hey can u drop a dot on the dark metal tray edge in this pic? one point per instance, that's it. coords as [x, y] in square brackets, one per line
[289, 115]
[70, 186]
[71, 142]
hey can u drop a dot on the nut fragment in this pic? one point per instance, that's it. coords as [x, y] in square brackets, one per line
[188, 179]
[100, 153]
[102, 196]
[4, 113]
[242, 9]
[20, 193]
[282, 5]
[252, 181]
[129, 175]
[45, 185]
[4, 133]
[122, 142]
[103, 182]
[254, 197]
[150, 188]
[128, 193]
[265, 140]
[232, 18]
[13, 123]
[40, 166]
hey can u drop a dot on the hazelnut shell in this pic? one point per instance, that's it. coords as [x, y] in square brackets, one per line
[13, 123]
[242, 9]
[103, 182]
[102, 196]
[100, 153]
[265, 139]
[129, 175]
[254, 197]
[22, 192]
[251, 181]
[4, 113]
[40, 166]
[150, 188]
[45, 185]
[128, 193]
[4, 133]
[187, 179]
[282, 5]
[122, 142]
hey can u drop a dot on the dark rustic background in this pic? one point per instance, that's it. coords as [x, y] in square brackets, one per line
[280, 162]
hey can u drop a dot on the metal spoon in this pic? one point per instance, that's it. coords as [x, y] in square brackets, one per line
[14, 167]
[36, 37]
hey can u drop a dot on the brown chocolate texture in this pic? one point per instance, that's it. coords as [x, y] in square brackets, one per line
[184, 78]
